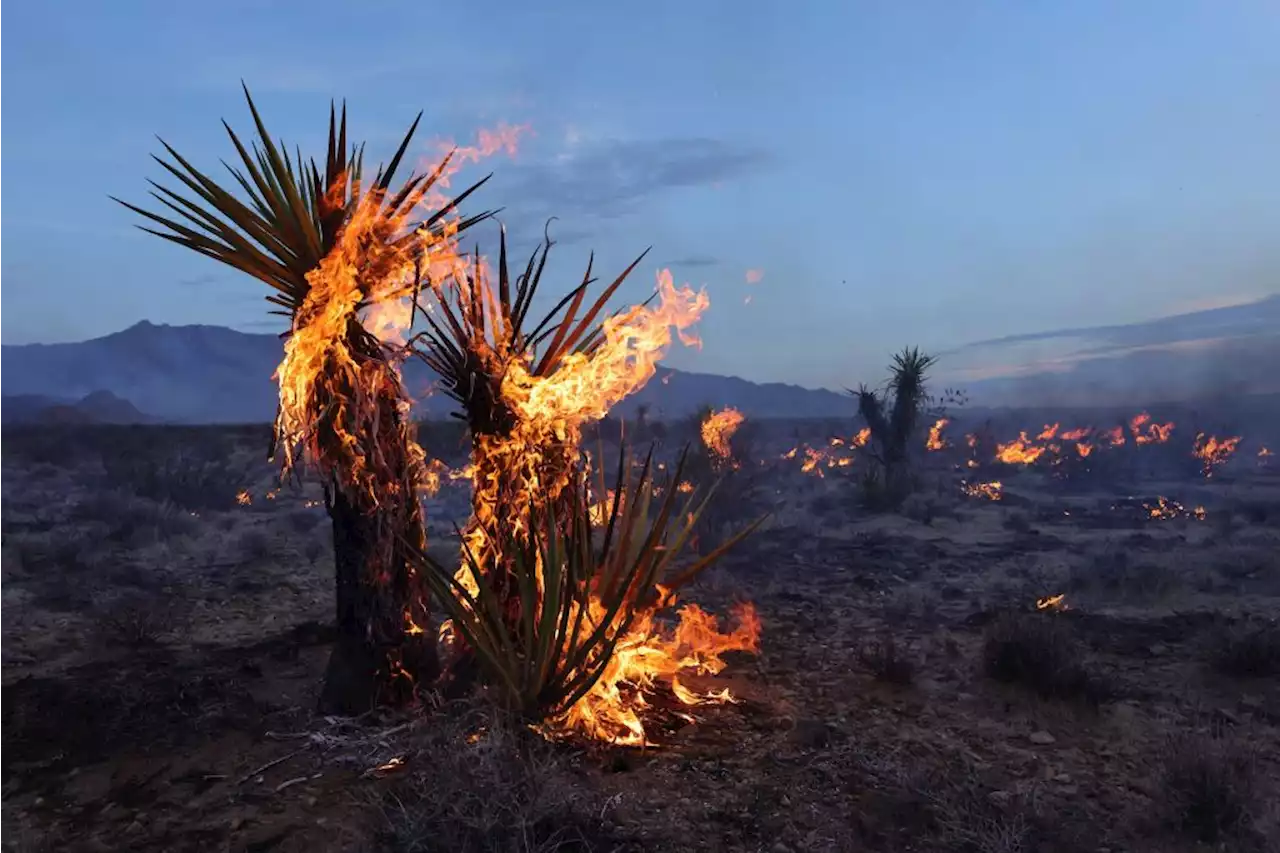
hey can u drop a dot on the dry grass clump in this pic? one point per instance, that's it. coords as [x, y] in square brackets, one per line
[489, 786]
[1017, 521]
[940, 802]
[136, 623]
[1249, 651]
[1038, 651]
[1115, 573]
[924, 509]
[131, 521]
[1211, 788]
[888, 661]
[193, 470]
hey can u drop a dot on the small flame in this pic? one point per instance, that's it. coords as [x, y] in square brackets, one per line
[1019, 452]
[717, 430]
[992, 491]
[935, 440]
[1052, 602]
[1153, 434]
[1213, 451]
[243, 498]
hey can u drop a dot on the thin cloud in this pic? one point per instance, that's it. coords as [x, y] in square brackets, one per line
[201, 280]
[614, 178]
[693, 261]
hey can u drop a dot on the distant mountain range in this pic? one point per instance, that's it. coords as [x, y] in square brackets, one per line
[211, 374]
[1215, 352]
[100, 407]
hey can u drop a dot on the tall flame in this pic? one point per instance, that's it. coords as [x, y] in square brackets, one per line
[717, 430]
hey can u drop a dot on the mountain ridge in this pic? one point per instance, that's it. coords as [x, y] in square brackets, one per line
[214, 374]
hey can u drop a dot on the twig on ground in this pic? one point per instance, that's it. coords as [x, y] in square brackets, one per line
[264, 768]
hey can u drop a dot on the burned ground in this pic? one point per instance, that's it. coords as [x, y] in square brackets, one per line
[164, 642]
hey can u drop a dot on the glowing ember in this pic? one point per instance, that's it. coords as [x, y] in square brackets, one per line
[1167, 508]
[1052, 602]
[992, 491]
[391, 766]
[817, 460]
[717, 430]
[1213, 451]
[1076, 434]
[244, 498]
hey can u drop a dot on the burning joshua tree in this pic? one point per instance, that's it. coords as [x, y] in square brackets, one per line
[565, 625]
[542, 605]
[334, 246]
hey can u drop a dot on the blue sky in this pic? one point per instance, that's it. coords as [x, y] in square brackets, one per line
[903, 172]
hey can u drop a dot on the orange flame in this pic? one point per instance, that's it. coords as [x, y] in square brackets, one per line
[1213, 451]
[651, 655]
[717, 430]
[992, 491]
[935, 440]
[534, 460]
[1052, 602]
[1153, 434]
[1019, 452]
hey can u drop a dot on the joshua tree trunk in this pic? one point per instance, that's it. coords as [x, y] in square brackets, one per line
[385, 645]
[375, 661]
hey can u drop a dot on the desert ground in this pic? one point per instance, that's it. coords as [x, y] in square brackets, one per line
[166, 612]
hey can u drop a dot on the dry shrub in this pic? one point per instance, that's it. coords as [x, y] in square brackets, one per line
[1211, 788]
[61, 446]
[315, 548]
[133, 521]
[192, 470]
[1018, 522]
[923, 508]
[888, 661]
[912, 603]
[491, 787]
[1039, 652]
[968, 819]
[257, 545]
[304, 521]
[1115, 573]
[1249, 651]
[136, 623]
[941, 802]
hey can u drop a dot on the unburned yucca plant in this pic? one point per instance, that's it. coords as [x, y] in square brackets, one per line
[894, 415]
[582, 583]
